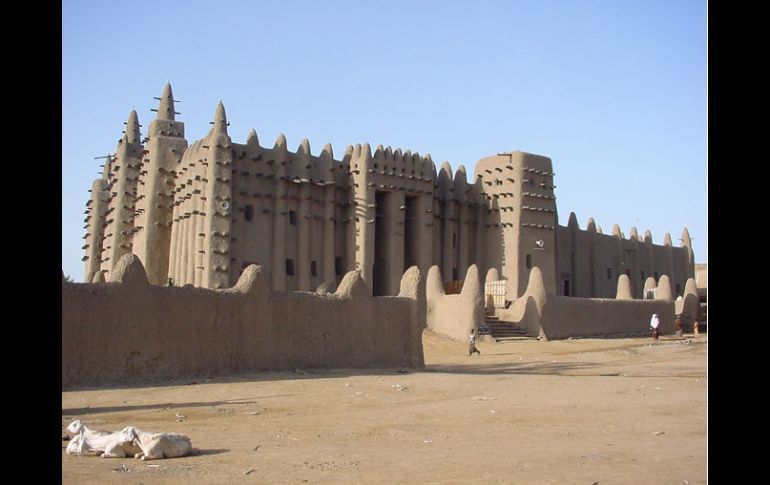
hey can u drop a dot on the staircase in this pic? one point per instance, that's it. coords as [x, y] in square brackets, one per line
[501, 330]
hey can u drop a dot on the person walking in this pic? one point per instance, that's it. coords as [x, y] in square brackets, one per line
[654, 323]
[679, 326]
[472, 343]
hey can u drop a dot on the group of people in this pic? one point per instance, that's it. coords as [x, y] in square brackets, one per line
[678, 326]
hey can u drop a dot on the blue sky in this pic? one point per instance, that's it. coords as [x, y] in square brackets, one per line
[613, 91]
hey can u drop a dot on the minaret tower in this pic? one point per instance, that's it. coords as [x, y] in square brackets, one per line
[165, 146]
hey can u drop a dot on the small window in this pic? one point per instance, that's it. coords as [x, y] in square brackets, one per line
[678, 290]
[609, 273]
[657, 276]
[338, 269]
[293, 218]
[529, 261]
[455, 274]
[248, 214]
[290, 267]
[454, 241]
[313, 268]
[642, 275]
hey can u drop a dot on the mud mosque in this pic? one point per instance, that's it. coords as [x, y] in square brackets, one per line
[199, 213]
[217, 257]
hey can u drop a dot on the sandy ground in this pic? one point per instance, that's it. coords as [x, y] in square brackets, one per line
[584, 411]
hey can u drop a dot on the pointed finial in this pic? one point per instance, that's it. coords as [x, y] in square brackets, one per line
[304, 149]
[648, 236]
[252, 138]
[687, 243]
[591, 225]
[616, 231]
[398, 157]
[327, 152]
[461, 178]
[379, 153]
[366, 152]
[348, 151]
[572, 223]
[220, 118]
[667, 240]
[280, 143]
[166, 107]
[634, 234]
[132, 128]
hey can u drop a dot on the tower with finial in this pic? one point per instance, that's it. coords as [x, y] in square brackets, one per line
[163, 151]
[119, 224]
[96, 209]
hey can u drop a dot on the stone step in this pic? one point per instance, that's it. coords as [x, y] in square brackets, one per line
[509, 339]
[501, 330]
[501, 325]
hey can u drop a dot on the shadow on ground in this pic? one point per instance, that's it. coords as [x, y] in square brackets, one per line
[536, 368]
[163, 405]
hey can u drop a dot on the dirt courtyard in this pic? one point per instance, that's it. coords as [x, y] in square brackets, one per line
[584, 411]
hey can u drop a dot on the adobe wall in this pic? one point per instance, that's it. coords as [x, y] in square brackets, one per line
[129, 331]
[565, 317]
[454, 315]
[701, 279]
[554, 317]
[689, 306]
[592, 262]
